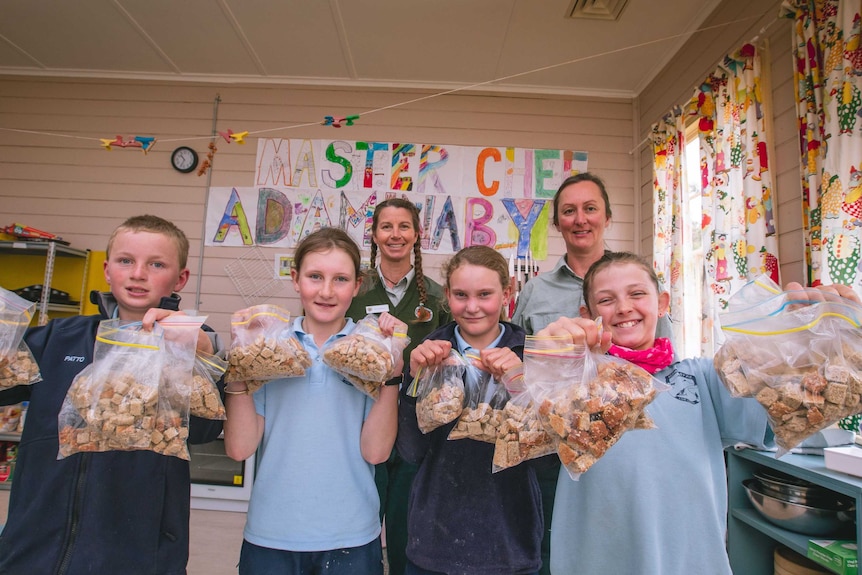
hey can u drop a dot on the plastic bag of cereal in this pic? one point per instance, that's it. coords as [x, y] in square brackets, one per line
[205, 400]
[799, 353]
[365, 357]
[439, 392]
[484, 399]
[263, 347]
[17, 364]
[521, 435]
[586, 411]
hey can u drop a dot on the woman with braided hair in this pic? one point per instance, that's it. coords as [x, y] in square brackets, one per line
[399, 286]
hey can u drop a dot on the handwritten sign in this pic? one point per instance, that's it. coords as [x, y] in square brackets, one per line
[497, 197]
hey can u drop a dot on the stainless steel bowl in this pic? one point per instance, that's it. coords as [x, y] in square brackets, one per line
[806, 519]
[810, 494]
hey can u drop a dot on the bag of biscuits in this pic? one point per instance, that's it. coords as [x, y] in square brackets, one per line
[484, 399]
[181, 334]
[205, 400]
[799, 353]
[365, 357]
[521, 435]
[263, 347]
[113, 403]
[439, 392]
[586, 412]
[17, 364]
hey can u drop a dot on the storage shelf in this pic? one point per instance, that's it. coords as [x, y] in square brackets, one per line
[40, 248]
[10, 436]
[50, 264]
[751, 538]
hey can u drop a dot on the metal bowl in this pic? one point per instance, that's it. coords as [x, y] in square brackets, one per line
[810, 494]
[806, 519]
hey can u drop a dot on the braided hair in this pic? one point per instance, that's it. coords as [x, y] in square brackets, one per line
[403, 204]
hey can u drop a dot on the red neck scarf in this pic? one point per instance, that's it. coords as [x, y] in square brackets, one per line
[653, 359]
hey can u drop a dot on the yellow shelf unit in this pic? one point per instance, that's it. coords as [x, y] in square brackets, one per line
[50, 264]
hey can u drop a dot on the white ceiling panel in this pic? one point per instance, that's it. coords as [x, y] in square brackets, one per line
[523, 45]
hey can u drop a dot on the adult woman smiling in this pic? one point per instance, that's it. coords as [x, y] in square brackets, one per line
[581, 213]
[399, 286]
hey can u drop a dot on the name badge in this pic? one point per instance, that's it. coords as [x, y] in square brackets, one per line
[377, 308]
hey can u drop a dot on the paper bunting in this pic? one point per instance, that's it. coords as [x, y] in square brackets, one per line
[338, 122]
[146, 143]
[230, 136]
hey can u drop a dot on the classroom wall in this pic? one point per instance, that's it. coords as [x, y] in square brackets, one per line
[756, 22]
[61, 180]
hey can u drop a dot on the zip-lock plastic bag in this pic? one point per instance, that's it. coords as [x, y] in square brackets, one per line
[263, 347]
[113, 403]
[586, 411]
[521, 436]
[484, 399]
[365, 357]
[439, 392]
[17, 364]
[799, 353]
[205, 400]
[135, 394]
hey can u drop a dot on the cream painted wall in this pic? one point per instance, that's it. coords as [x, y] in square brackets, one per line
[698, 58]
[70, 186]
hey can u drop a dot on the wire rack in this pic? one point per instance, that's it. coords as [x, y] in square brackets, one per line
[253, 275]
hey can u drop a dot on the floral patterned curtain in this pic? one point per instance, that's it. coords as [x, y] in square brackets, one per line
[738, 220]
[828, 79]
[670, 191]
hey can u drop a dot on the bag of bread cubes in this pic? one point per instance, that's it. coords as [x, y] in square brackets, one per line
[484, 399]
[114, 403]
[263, 347]
[521, 436]
[596, 399]
[17, 364]
[205, 400]
[439, 392]
[365, 357]
[799, 353]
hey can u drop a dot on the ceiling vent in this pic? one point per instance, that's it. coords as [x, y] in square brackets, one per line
[597, 9]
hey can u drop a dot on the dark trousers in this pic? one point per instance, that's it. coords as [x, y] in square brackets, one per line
[364, 560]
[394, 479]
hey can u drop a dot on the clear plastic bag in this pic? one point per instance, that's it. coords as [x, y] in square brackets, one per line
[798, 353]
[365, 357]
[263, 347]
[113, 403]
[135, 394]
[205, 400]
[17, 364]
[521, 436]
[484, 399]
[439, 392]
[587, 411]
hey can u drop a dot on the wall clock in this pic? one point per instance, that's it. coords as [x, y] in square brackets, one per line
[184, 159]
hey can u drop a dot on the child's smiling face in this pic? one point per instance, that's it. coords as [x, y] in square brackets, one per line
[476, 298]
[326, 283]
[627, 300]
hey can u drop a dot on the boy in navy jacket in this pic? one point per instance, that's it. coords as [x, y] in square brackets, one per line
[108, 512]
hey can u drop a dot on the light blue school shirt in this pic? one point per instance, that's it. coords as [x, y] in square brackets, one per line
[656, 502]
[313, 490]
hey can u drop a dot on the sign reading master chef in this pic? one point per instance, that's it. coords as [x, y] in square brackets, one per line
[498, 197]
